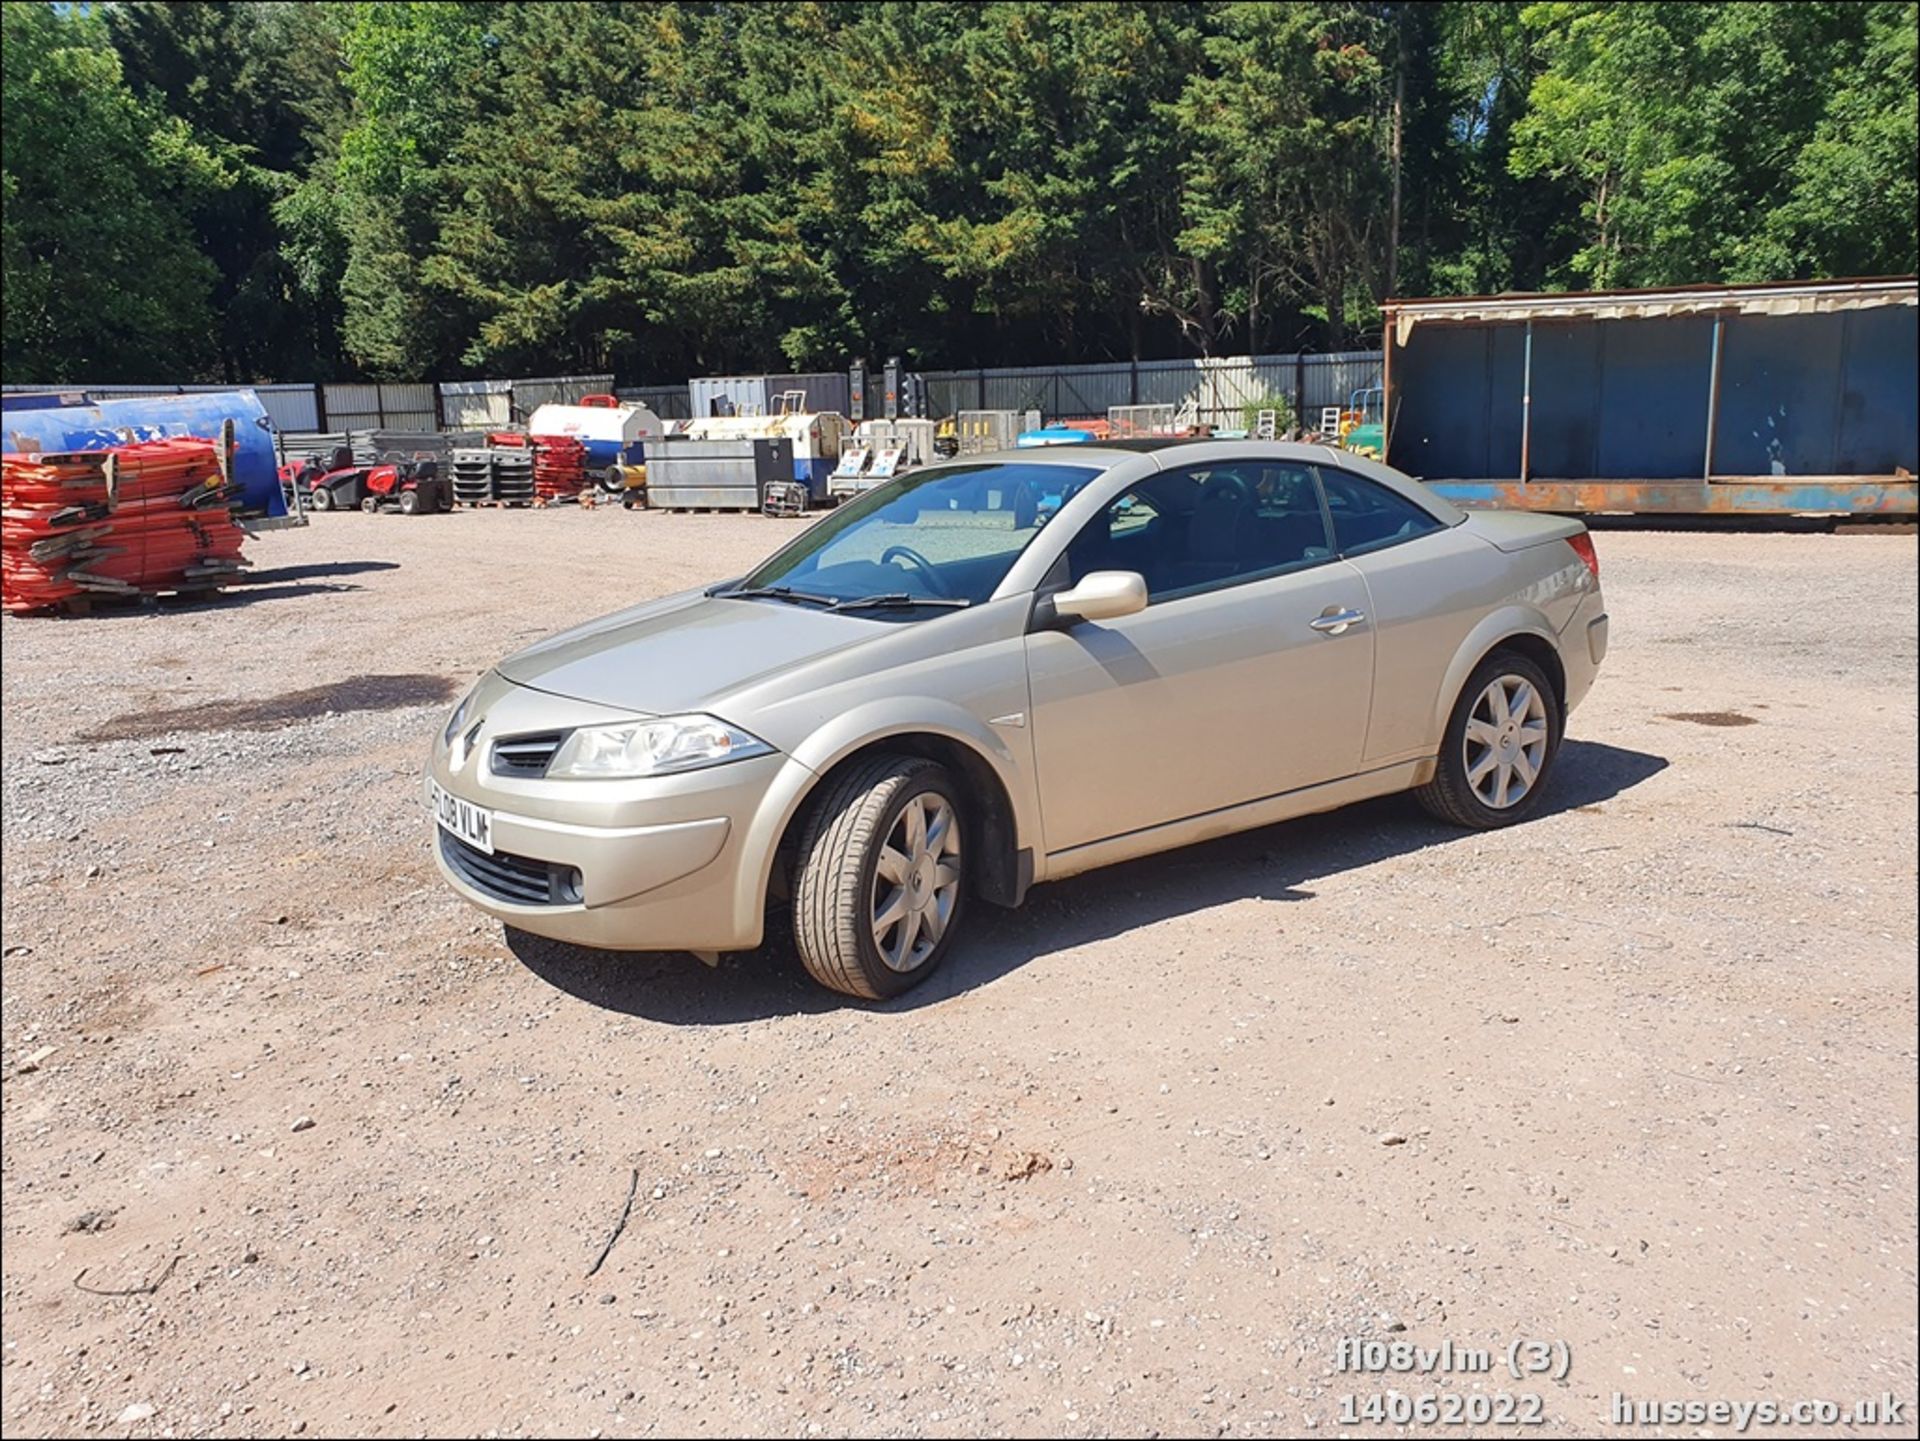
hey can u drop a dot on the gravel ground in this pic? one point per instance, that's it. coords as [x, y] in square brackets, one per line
[1122, 1167]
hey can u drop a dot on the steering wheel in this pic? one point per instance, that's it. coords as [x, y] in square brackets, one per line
[919, 562]
[1225, 485]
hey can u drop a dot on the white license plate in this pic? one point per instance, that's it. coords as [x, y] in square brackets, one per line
[472, 824]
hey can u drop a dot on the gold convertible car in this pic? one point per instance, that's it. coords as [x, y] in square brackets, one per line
[1007, 669]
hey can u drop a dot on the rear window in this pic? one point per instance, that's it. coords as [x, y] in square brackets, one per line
[1368, 516]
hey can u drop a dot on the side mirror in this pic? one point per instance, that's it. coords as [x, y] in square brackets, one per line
[1103, 595]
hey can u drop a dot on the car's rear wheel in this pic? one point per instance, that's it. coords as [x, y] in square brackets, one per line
[1500, 744]
[881, 880]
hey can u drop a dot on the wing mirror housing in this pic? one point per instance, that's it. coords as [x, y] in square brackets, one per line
[1103, 595]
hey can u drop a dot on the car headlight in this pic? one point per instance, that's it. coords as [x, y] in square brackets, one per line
[652, 747]
[459, 716]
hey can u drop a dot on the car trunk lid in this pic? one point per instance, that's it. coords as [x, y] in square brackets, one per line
[1512, 530]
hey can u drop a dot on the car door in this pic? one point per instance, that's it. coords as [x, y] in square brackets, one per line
[1427, 585]
[1248, 674]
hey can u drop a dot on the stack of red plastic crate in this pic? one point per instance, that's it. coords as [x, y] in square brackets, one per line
[559, 467]
[130, 520]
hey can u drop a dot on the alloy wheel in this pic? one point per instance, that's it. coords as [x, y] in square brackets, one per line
[916, 881]
[1505, 742]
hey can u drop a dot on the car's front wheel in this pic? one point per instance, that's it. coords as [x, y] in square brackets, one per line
[881, 878]
[1501, 741]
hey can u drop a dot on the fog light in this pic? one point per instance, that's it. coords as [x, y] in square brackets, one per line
[572, 886]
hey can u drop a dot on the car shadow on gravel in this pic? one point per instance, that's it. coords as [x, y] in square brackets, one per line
[1276, 863]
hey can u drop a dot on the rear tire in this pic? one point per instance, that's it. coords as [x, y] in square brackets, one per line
[320, 498]
[1496, 775]
[409, 502]
[881, 884]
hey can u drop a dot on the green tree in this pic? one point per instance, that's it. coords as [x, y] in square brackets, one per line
[416, 73]
[1851, 191]
[1488, 229]
[1289, 135]
[412, 189]
[256, 86]
[1726, 141]
[103, 281]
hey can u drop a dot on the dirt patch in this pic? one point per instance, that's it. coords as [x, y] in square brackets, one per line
[1652, 1061]
[1712, 717]
[357, 693]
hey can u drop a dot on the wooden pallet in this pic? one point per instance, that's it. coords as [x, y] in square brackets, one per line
[110, 603]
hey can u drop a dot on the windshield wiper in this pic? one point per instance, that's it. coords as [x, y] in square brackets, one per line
[776, 592]
[899, 600]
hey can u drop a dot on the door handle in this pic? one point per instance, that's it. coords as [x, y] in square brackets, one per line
[1335, 622]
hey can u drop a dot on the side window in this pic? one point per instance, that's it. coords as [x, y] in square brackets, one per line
[1192, 530]
[1368, 516]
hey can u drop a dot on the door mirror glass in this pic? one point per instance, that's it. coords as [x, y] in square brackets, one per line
[1102, 595]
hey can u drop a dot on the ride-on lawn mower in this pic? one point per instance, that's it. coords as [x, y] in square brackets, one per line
[406, 486]
[410, 487]
[332, 482]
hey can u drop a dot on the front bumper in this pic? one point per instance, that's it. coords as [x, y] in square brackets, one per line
[666, 863]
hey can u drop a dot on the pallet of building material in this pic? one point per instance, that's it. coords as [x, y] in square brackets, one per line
[513, 476]
[472, 471]
[126, 521]
[559, 467]
[371, 447]
[297, 446]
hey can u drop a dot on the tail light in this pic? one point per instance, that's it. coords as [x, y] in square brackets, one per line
[1583, 547]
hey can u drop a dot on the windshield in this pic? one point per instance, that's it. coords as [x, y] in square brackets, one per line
[949, 535]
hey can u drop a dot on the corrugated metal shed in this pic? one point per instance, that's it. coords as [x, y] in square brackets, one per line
[532, 393]
[669, 402]
[727, 395]
[1799, 396]
[826, 390]
[477, 404]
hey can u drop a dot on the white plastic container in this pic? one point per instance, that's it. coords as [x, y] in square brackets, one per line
[614, 432]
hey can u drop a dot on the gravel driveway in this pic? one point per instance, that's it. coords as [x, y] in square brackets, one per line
[1638, 1076]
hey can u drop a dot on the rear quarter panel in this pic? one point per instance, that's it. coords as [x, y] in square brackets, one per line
[1439, 604]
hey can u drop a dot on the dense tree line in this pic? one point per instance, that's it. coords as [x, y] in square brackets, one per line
[283, 190]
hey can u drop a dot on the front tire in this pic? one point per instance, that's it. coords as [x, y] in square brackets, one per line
[881, 877]
[1499, 748]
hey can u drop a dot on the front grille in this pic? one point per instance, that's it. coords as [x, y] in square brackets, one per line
[514, 879]
[525, 755]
